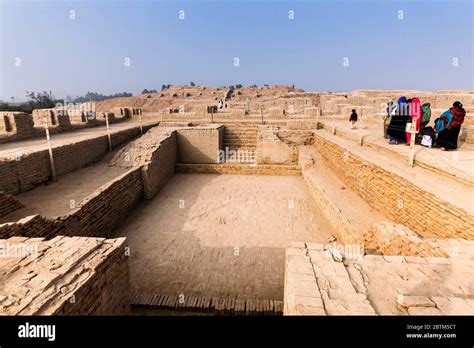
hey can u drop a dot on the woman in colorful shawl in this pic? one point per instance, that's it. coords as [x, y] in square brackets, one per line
[415, 116]
[398, 122]
[448, 137]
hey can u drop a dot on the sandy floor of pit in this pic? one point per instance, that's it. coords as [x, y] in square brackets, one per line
[220, 235]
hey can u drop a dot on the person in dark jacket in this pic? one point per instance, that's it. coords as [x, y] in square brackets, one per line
[396, 128]
[353, 118]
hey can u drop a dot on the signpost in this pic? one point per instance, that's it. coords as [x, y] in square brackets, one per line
[108, 130]
[50, 150]
[411, 156]
[140, 120]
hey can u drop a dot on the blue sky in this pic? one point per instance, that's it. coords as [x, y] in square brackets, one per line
[73, 56]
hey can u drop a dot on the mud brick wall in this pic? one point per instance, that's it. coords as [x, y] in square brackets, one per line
[100, 212]
[8, 204]
[24, 173]
[54, 117]
[107, 292]
[17, 125]
[393, 239]
[30, 226]
[90, 277]
[200, 144]
[160, 167]
[96, 215]
[383, 190]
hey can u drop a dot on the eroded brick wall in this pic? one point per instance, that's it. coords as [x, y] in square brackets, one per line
[90, 277]
[16, 125]
[96, 215]
[161, 166]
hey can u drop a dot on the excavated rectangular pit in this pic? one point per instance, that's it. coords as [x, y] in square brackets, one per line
[220, 236]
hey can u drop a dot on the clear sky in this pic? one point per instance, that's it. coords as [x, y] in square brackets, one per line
[43, 48]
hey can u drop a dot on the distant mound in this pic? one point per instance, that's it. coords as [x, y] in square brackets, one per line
[193, 97]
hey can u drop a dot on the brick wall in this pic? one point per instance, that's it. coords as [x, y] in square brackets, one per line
[160, 167]
[8, 204]
[96, 215]
[16, 125]
[383, 190]
[200, 144]
[24, 173]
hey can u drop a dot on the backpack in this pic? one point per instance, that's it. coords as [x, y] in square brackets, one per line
[427, 141]
[443, 121]
[426, 113]
[428, 136]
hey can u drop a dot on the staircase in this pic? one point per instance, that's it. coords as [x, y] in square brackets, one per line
[240, 137]
[240, 143]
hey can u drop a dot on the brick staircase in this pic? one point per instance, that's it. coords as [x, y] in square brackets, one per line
[240, 137]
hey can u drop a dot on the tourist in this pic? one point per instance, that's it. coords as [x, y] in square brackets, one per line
[397, 126]
[425, 115]
[425, 119]
[415, 117]
[448, 136]
[391, 110]
[353, 118]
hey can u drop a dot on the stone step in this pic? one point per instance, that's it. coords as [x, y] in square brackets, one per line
[241, 137]
[240, 142]
[241, 148]
[252, 139]
[341, 206]
[251, 169]
[246, 134]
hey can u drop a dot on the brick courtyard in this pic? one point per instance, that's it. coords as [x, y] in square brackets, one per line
[220, 235]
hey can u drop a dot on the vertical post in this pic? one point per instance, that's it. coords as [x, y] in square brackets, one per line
[140, 121]
[108, 130]
[411, 156]
[212, 114]
[318, 111]
[50, 149]
[261, 113]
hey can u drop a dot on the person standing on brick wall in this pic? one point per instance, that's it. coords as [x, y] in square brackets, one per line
[396, 128]
[448, 137]
[391, 110]
[415, 116]
[353, 118]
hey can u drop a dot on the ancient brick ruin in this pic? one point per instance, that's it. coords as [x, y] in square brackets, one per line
[269, 206]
